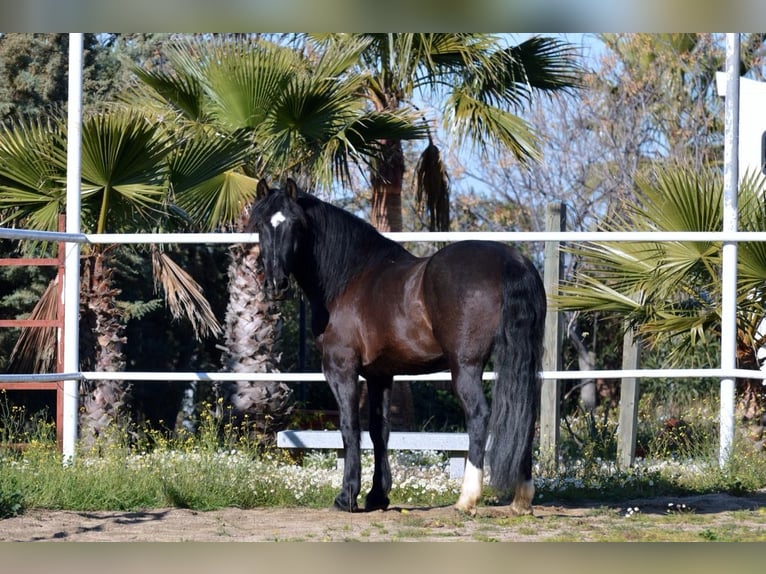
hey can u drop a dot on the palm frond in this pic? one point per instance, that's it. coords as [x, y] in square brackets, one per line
[32, 154]
[35, 349]
[679, 200]
[183, 295]
[243, 82]
[751, 256]
[689, 327]
[219, 200]
[432, 193]
[124, 168]
[202, 180]
[592, 295]
[341, 57]
[360, 142]
[470, 119]
[539, 63]
[679, 282]
[321, 125]
[181, 91]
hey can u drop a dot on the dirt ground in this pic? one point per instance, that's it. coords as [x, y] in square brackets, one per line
[708, 514]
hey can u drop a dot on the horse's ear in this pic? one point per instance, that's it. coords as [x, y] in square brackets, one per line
[262, 190]
[291, 189]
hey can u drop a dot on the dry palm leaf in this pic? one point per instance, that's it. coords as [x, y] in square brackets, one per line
[35, 349]
[433, 188]
[184, 295]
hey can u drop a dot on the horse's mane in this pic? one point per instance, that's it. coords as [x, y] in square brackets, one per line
[343, 245]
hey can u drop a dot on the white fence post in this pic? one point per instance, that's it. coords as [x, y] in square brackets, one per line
[729, 254]
[72, 260]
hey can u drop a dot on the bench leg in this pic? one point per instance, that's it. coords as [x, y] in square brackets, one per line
[456, 464]
[341, 459]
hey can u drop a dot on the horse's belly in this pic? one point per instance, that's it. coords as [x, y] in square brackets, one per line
[412, 350]
[396, 364]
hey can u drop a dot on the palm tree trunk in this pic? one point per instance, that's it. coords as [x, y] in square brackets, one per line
[105, 413]
[387, 182]
[750, 392]
[252, 329]
[387, 179]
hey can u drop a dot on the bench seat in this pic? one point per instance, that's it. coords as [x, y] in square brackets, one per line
[454, 444]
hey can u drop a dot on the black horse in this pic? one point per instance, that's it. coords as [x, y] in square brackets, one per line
[378, 311]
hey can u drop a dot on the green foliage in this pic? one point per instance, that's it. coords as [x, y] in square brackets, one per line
[677, 448]
[671, 291]
[219, 467]
[298, 114]
[34, 67]
[11, 501]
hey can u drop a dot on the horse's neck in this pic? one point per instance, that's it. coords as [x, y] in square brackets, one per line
[333, 258]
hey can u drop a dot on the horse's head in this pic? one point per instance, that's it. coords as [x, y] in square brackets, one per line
[280, 224]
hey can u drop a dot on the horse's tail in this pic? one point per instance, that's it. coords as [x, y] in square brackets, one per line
[518, 359]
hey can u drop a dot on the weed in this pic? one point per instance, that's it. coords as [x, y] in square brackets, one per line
[709, 535]
[218, 466]
[11, 503]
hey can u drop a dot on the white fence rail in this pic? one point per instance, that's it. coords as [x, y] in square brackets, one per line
[230, 238]
[402, 237]
[175, 376]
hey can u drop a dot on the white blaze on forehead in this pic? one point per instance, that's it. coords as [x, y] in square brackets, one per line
[277, 218]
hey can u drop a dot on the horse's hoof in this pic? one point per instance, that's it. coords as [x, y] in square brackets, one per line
[463, 509]
[344, 506]
[372, 503]
[521, 510]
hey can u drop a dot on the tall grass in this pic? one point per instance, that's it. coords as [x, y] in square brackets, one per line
[218, 467]
[675, 455]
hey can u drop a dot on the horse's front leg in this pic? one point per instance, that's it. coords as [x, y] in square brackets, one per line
[379, 393]
[344, 382]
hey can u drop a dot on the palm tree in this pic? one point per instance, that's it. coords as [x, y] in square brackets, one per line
[670, 292]
[301, 113]
[482, 83]
[125, 175]
[294, 114]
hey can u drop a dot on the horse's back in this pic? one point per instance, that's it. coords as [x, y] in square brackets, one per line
[470, 267]
[463, 291]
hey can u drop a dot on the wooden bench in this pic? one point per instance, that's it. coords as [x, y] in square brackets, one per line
[454, 444]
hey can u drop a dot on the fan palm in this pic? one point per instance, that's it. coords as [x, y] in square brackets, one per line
[346, 101]
[483, 83]
[125, 173]
[291, 114]
[671, 291]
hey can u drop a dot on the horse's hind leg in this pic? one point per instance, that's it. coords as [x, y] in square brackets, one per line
[379, 391]
[525, 487]
[466, 380]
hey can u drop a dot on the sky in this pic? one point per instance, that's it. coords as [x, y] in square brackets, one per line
[591, 48]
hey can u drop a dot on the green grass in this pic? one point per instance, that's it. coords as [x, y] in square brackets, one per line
[217, 468]
[677, 460]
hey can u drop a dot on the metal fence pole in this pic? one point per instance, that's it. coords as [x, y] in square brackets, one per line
[72, 258]
[729, 254]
